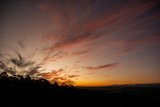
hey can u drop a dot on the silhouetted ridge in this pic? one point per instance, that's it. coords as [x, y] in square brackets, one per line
[19, 91]
[19, 80]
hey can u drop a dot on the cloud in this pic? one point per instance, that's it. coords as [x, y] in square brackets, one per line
[73, 76]
[80, 52]
[21, 44]
[54, 56]
[34, 70]
[127, 46]
[9, 69]
[60, 76]
[1, 55]
[21, 62]
[19, 65]
[106, 66]
[51, 75]
[127, 19]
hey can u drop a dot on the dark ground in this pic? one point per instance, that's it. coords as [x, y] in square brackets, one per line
[20, 92]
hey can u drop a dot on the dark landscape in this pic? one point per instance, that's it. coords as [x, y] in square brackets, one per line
[19, 92]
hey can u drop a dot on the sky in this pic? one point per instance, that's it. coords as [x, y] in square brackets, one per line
[81, 42]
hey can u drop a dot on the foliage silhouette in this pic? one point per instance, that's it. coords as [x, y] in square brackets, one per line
[18, 91]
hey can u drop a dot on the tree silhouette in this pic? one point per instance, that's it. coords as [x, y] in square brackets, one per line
[55, 84]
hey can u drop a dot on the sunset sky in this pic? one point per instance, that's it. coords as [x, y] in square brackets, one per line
[82, 42]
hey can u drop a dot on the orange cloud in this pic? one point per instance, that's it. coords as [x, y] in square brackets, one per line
[52, 74]
[60, 76]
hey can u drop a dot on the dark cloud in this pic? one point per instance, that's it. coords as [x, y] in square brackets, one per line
[19, 65]
[21, 62]
[107, 66]
[34, 70]
[7, 69]
[73, 76]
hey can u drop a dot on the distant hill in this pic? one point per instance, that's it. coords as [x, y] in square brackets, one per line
[16, 91]
[148, 85]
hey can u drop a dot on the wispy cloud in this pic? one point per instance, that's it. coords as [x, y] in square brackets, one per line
[51, 75]
[60, 76]
[73, 76]
[19, 65]
[106, 66]
[21, 44]
[127, 19]
[80, 52]
[21, 62]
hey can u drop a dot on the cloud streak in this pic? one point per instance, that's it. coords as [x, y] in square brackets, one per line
[60, 76]
[120, 19]
[19, 65]
[106, 66]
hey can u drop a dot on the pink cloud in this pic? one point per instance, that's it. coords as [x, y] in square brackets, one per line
[75, 31]
[106, 66]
